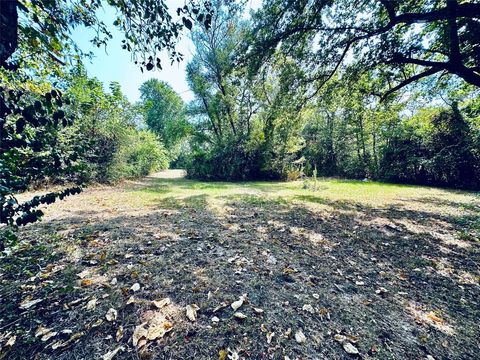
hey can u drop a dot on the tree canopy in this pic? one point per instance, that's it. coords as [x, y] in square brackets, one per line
[405, 40]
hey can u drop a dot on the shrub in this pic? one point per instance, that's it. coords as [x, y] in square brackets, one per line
[139, 153]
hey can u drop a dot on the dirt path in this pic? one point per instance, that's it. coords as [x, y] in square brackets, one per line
[347, 280]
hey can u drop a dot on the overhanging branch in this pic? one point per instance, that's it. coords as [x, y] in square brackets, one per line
[410, 80]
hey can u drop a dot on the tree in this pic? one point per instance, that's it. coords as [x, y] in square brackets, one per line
[408, 40]
[164, 112]
[35, 43]
[220, 93]
[31, 130]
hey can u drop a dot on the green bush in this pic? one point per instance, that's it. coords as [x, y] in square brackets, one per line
[441, 153]
[138, 154]
[231, 161]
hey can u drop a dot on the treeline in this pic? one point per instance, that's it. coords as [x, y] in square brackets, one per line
[110, 131]
[72, 135]
[271, 121]
[352, 135]
[101, 137]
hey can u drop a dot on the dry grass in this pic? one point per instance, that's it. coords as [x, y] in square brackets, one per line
[393, 269]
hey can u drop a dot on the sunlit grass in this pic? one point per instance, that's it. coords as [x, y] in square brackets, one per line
[159, 192]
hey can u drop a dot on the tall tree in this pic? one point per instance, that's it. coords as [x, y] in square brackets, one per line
[211, 73]
[164, 112]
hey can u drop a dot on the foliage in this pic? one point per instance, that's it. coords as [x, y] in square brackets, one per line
[36, 44]
[229, 161]
[164, 113]
[254, 121]
[405, 40]
[42, 28]
[31, 127]
[442, 154]
[139, 153]
[107, 124]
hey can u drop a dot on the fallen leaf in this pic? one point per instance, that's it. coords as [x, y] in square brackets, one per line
[135, 287]
[11, 340]
[161, 303]
[73, 338]
[42, 331]
[131, 300]
[111, 315]
[240, 315]
[433, 317]
[258, 310]
[221, 306]
[349, 348]
[308, 308]
[192, 312]
[323, 311]
[97, 323]
[158, 329]
[92, 304]
[288, 271]
[215, 319]
[109, 355]
[222, 354]
[381, 291]
[340, 338]
[270, 336]
[237, 304]
[233, 355]
[27, 303]
[49, 335]
[84, 273]
[86, 282]
[119, 333]
[139, 333]
[300, 337]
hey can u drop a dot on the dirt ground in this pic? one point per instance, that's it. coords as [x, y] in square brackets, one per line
[151, 269]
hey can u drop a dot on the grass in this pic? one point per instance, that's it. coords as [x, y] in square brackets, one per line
[275, 241]
[330, 192]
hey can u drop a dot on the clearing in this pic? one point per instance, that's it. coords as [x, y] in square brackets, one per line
[390, 271]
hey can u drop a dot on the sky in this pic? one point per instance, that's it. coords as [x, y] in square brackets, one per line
[115, 64]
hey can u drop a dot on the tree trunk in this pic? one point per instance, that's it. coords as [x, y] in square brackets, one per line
[8, 29]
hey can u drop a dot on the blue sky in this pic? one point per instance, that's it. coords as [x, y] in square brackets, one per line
[115, 64]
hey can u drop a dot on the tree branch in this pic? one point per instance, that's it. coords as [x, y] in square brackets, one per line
[414, 78]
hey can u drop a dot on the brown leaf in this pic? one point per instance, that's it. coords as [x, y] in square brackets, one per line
[86, 282]
[161, 303]
[437, 320]
[192, 312]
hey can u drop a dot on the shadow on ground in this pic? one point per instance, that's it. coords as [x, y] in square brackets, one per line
[394, 281]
